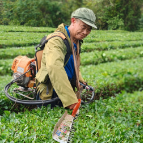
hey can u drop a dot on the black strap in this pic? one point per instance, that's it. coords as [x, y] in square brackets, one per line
[43, 41]
[66, 42]
[69, 53]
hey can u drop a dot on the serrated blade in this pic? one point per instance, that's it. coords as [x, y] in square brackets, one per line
[62, 128]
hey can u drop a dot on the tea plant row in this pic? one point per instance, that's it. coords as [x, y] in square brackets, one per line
[19, 39]
[110, 120]
[99, 35]
[97, 57]
[23, 48]
[116, 119]
[107, 79]
[29, 51]
[102, 46]
[11, 39]
[93, 58]
[8, 28]
[11, 53]
[111, 78]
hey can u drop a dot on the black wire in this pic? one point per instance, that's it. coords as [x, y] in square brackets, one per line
[28, 102]
[38, 102]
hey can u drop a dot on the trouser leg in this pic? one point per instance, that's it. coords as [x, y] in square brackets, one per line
[38, 98]
[57, 103]
[54, 104]
[54, 95]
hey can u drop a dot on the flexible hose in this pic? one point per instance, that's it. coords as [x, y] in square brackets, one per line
[28, 102]
[38, 102]
[93, 93]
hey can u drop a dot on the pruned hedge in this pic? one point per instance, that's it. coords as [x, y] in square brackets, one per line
[106, 45]
[97, 57]
[9, 28]
[11, 53]
[111, 78]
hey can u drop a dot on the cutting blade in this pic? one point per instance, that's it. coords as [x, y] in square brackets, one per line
[62, 128]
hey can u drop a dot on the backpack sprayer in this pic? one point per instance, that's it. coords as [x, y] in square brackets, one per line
[24, 72]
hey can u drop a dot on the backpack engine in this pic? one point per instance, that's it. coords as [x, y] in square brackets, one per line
[24, 71]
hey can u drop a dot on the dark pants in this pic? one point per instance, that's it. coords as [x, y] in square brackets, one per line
[54, 104]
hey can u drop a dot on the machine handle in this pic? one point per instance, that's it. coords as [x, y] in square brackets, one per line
[87, 87]
[76, 108]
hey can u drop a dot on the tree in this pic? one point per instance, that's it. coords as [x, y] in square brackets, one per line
[115, 14]
[33, 13]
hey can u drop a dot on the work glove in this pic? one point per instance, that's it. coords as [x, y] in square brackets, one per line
[75, 107]
[72, 106]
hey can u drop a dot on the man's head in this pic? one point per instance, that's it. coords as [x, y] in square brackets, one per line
[82, 21]
[86, 15]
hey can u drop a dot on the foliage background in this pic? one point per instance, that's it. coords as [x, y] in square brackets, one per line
[111, 14]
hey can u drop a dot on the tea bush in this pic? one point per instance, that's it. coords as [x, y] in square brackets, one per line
[113, 67]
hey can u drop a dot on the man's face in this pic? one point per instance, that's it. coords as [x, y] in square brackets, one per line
[81, 30]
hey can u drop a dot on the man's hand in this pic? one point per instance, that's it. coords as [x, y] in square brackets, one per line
[84, 83]
[71, 106]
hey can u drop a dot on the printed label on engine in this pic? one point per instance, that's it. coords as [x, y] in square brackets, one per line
[20, 69]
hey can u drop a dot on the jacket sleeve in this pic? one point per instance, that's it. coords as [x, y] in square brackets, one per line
[55, 51]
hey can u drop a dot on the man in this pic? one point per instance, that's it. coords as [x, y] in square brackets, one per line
[52, 74]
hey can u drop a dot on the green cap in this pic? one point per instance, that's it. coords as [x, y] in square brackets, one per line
[86, 15]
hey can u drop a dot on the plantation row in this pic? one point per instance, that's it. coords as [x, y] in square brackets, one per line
[11, 39]
[111, 78]
[93, 58]
[97, 57]
[19, 39]
[86, 47]
[5, 66]
[114, 119]
[108, 79]
[118, 119]
[15, 29]
[94, 35]
[102, 46]
[10, 53]
[5, 103]
[21, 36]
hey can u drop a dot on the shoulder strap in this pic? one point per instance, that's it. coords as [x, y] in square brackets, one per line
[45, 39]
[69, 52]
[80, 43]
[66, 42]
